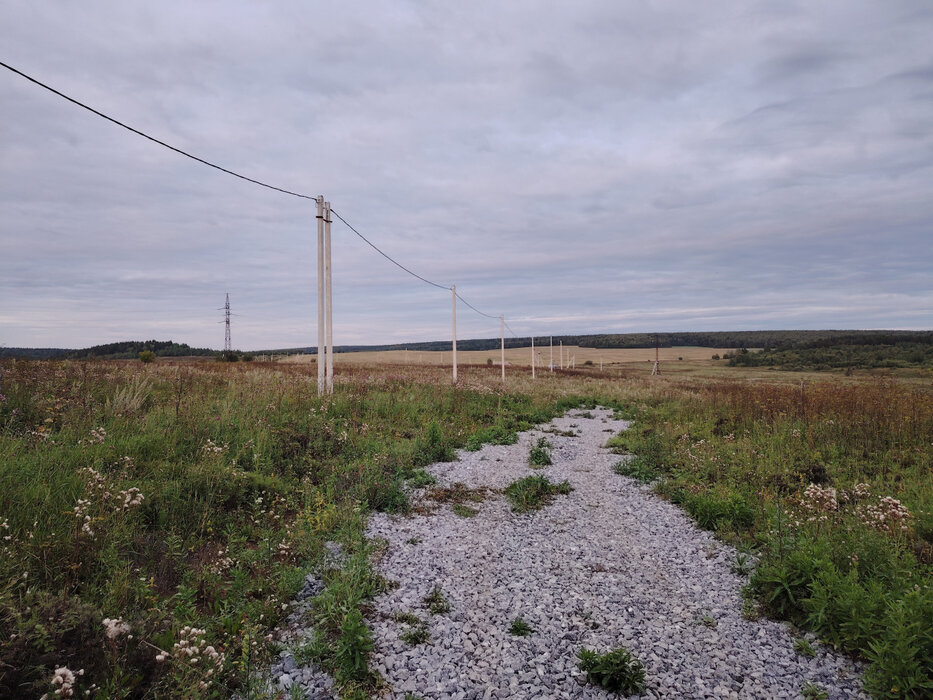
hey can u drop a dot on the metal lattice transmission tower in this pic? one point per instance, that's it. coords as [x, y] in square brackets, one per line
[227, 344]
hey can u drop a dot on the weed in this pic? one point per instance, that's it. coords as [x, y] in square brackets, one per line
[413, 540]
[435, 602]
[406, 618]
[708, 621]
[534, 492]
[743, 564]
[420, 479]
[351, 649]
[433, 446]
[458, 493]
[803, 647]
[636, 468]
[416, 634]
[520, 628]
[812, 691]
[540, 454]
[616, 671]
[464, 511]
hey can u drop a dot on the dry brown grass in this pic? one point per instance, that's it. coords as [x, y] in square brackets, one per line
[522, 356]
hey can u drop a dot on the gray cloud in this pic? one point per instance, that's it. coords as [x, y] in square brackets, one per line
[584, 167]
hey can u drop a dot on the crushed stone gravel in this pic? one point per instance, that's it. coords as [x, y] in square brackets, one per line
[608, 565]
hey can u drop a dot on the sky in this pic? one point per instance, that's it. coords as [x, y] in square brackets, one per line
[593, 166]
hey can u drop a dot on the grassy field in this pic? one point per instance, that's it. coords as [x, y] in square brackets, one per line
[612, 358]
[156, 520]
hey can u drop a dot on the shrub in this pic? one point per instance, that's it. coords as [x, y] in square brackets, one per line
[147, 356]
[616, 671]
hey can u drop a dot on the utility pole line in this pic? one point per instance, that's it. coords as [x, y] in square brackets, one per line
[329, 302]
[532, 357]
[320, 296]
[551, 360]
[502, 335]
[562, 354]
[453, 290]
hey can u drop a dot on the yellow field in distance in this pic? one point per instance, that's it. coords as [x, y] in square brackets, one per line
[522, 356]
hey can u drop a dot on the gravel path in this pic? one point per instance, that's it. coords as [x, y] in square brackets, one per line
[609, 564]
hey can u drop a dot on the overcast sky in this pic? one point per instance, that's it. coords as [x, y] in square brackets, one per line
[586, 166]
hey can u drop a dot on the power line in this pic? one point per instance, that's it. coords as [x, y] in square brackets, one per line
[153, 139]
[385, 255]
[241, 177]
[474, 308]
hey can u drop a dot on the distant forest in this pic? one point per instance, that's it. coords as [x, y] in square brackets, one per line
[125, 350]
[826, 349]
[867, 350]
[716, 339]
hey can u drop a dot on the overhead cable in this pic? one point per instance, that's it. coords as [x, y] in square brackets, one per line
[385, 255]
[241, 177]
[155, 140]
[474, 308]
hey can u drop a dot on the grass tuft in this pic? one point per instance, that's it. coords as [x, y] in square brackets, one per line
[616, 671]
[520, 628]
[534, 492]
[540, 454]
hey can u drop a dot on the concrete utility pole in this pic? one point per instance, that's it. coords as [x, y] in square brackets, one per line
[228, 345]
[502, 335]
[532, 357]
[320, 296]
[329, 303]
[453, 290]
[551, 359]
[562, 354]
[657, 361]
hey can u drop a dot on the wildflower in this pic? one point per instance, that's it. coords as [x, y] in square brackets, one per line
[817, 499]
[888, 514]
[132, 498]
[65, 679]
[113, 628]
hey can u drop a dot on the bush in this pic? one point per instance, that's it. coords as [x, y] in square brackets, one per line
[616, 671]
[147, 356]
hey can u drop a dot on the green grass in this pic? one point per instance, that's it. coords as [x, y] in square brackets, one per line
[464, 511]
[534, 492]
[244, 474]
[540, 454]
[616, 671]
[636, 468]
[795, 473]
[435, 602]
[520, 628]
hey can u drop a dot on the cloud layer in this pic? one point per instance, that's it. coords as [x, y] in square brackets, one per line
[579, 167]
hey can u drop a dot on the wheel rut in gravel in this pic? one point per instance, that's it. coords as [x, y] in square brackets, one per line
[608, 565]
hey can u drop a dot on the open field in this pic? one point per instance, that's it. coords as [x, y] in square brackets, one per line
[610, 357]
[183, 503]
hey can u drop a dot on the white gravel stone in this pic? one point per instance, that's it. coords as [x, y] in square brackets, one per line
[608, 565]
